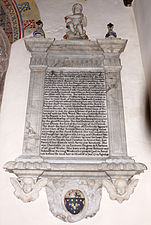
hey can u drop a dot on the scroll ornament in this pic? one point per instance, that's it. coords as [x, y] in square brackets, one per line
[120, 189]
[27, 189]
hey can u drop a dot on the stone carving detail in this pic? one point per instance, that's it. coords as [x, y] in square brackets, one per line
[75, 62]
[38, 60]
[31, 138]
[75, 24]
[120, 189]
[91, 188]
[27, 189]
[105, 165]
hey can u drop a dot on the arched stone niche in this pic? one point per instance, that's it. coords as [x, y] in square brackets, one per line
[74, 139]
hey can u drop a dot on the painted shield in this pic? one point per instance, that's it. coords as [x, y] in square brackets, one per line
[74, 201]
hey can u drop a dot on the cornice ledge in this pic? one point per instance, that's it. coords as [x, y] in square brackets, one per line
[105, 166]
[39, 44]
[114, 46]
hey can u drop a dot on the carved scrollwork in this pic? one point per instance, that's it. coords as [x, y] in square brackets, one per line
[27, 189]
[120, 189]
[91, 188]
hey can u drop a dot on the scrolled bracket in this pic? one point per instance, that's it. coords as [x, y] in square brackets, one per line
[120, 189]
[27, 189]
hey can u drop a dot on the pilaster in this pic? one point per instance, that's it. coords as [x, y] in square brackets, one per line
[112, 48]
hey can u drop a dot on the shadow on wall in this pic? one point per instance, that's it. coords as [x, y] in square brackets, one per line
[148, 106]
[148, 112]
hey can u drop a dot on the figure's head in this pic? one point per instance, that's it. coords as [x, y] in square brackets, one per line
[39, 24]
[110, 27]
[77, 8]
[121, 186]
[28, 184]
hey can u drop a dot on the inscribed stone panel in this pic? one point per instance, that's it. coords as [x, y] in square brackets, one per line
[74, 121]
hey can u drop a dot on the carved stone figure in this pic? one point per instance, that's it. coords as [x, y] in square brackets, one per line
[27, 189]
[75, 24]
[31, 138]
[120, 189]
[110, 33]
[39, 32]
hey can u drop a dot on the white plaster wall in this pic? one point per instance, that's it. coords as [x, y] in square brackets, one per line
[136, 211]
[142, 11]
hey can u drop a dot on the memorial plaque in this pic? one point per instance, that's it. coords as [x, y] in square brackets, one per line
[74, 120]
[77, 116]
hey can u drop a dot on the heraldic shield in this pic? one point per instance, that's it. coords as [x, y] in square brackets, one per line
[74, 201]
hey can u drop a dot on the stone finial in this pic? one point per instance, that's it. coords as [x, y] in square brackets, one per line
[39, 31]
[110, 33]
[75, 24]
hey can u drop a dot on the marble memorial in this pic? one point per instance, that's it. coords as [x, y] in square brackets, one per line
[74, 139]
